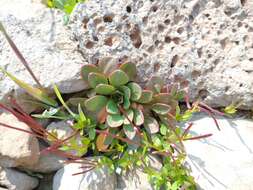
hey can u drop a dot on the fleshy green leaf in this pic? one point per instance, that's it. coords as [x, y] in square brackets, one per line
[146, 96]
[115, 120]
[118, 78]
[87, 69]
[35, 92]
[104, 89]
[130, 69]
[138, 117]
[95, 79]
[127, 93]
[155, 84]
[163, 129]
[151, 125]
[112, 107]
[96, 103]
[130, 116]
[107, 65]
[161, 109]
[136, 91]
[129, 131]
[101, 146]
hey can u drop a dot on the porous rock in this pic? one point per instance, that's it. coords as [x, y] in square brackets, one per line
[15, 180]
[17, 148]
[96, 179]
[206, 45]
[224, 160]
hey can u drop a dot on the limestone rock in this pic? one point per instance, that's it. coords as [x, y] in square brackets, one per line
[17, 148]
[224, 160]
[96, 179]
[200, 43]
[45, 42]
[63, 130]
[15, 180]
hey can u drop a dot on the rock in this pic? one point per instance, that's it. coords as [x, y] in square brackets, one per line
[47, 163]
[137, 179]
[45, 42]
[224, 160]
[17, 148]
[96, 179]
[46, 183]
[15, 180]
[197, 43]
[63, 131]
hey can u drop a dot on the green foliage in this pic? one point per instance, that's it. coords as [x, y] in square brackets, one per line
[118, 121]
[66, 6]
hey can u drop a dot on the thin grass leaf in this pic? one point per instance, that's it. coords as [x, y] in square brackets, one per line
[19, 55]
[59, 96]
[35, 92]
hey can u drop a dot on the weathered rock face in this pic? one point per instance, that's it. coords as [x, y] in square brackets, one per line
[15, 180]
[93, 180]
[207, 44]
[45, 42]
[225, 160]
[17, 148]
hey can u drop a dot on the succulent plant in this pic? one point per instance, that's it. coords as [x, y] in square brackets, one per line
[123, 104]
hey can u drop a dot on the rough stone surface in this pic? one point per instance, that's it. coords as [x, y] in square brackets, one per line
[63, 131]
[47, 163]
[17, 148]
[225, 160]
[207, 44]
[15, 180]
[137, 179]
[45, 42]
[93, 180]
[46, 183]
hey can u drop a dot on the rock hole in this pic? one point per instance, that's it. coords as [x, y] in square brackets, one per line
[203, 94]
[180, 30]
[239, 24]
[89, 44]
[224, 42]
[145, 20]
[176, 40]
[108, 41]
[108, 18]
[136, 36]
[128, 9]
[154, 8]
[199, 52]
[167, 21]
[151, 49]
[243, 2]
[161, 28]
[251, 59]
[156, 67]
[174, 61]
[167, 39]
[195, 74]
[241, 85]
[85, 22]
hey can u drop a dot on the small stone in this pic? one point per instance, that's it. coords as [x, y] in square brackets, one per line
[63, 130]
[17, 148]
[224, 160]
[96, 179]
[15, 180]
